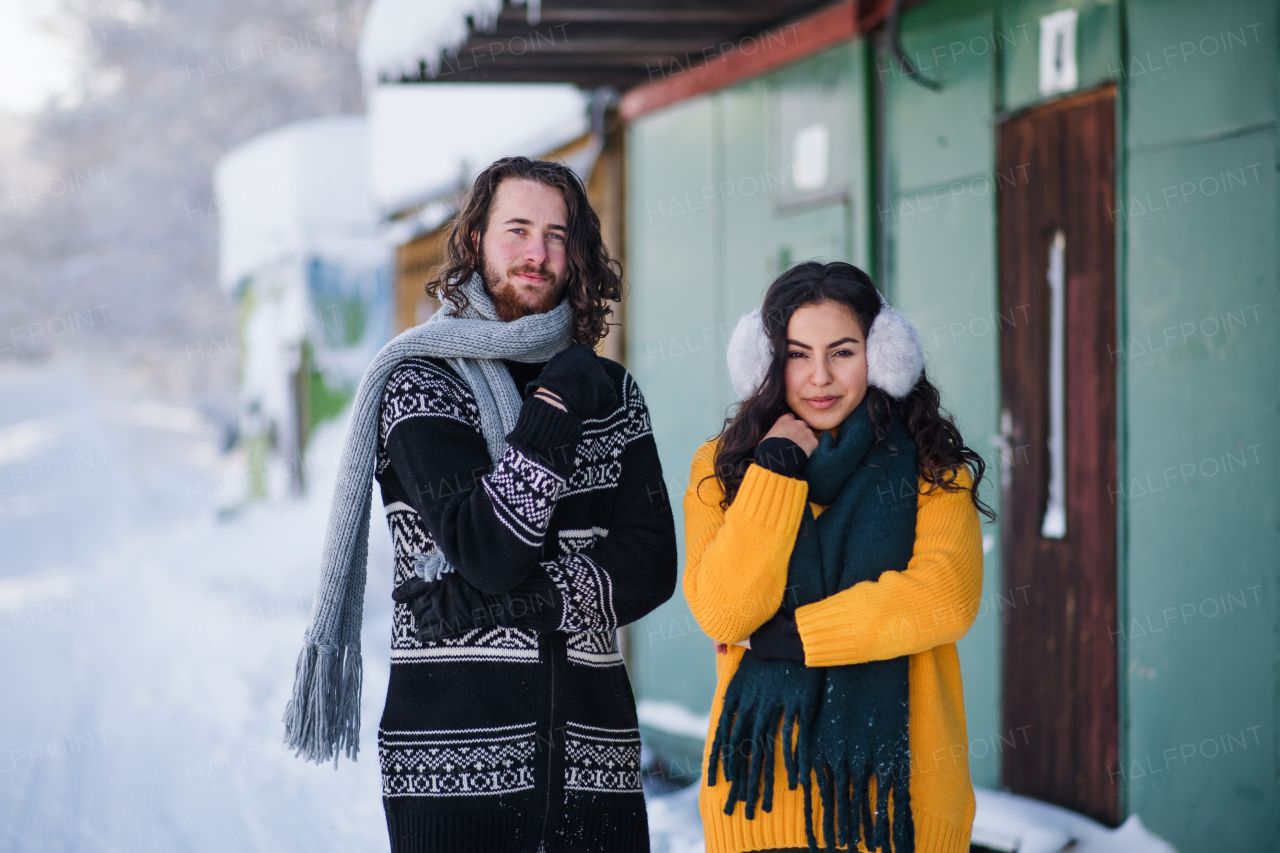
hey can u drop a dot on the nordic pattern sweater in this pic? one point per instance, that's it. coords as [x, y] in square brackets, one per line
[735, 579]
[521, 738]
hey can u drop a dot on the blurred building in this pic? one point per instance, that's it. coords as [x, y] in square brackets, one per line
[300, 247]
[1075, 201]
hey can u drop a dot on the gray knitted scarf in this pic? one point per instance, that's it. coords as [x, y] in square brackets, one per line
[323, 717]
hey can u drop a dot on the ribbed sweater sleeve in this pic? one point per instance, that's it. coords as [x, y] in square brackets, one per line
[489, 520]
[932, 602]
[736, 560]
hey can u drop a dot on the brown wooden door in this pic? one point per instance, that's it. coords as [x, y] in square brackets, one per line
[1057, 241]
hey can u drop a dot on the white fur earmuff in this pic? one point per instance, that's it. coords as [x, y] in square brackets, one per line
[895, 357]
[749, 355]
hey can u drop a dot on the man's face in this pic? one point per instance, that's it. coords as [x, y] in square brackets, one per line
[523, 248]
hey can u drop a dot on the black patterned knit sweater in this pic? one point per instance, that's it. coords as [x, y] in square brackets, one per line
[523, 738]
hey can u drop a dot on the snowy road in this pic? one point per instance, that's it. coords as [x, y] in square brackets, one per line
[147, 648]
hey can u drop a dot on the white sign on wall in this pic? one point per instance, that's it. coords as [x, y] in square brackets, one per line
[811, 151]
[1058, 72]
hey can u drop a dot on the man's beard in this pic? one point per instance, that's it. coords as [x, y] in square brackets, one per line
[506, 299]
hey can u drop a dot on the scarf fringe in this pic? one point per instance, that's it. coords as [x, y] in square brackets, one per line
[846, 809]
[745, 752]
[322, 718]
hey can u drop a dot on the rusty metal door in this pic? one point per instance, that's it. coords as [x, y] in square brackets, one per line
[1058, 420]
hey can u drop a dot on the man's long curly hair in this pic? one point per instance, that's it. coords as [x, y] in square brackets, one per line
[592, 278]
[940, 449]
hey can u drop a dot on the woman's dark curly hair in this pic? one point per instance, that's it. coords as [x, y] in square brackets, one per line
[593, 279]
[940, 451]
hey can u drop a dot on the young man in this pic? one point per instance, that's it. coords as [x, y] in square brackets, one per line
[510, 724]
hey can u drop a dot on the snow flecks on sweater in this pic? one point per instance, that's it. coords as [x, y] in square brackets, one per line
[601, 760]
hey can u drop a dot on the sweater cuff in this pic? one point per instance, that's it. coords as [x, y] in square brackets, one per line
[547, 435]
[781, 456]
[824, 631]
[771, 500]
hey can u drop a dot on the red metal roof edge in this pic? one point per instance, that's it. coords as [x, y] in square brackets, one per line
[753, 55]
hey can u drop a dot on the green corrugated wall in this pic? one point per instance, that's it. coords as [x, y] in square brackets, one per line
[1201, 383]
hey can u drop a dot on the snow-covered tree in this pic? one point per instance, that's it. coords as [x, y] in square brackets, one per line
[108, 230]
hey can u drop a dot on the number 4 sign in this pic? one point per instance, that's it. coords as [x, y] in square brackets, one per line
[1058, 52]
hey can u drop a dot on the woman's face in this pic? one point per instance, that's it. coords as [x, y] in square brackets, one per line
[826, 364]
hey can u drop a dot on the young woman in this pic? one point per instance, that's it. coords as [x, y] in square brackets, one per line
[834, 555]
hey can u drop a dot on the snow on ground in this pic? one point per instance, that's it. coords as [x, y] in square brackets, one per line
[1012, 823]
[147, 648]
[673, 718]
[674, 823]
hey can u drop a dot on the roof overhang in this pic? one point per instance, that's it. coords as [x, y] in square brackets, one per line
[656, 52]
[617, 43]
[750, 56]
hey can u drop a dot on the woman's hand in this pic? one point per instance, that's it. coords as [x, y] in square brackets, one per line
[793, 429]
[723, 648]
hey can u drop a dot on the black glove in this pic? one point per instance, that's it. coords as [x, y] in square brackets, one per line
[451, 606]
[778, 639]
[577, 377]
[781, 456]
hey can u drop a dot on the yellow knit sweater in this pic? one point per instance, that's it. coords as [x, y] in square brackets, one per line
[735, 576]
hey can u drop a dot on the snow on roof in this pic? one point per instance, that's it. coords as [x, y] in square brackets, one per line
[429, 140]
[398, 34]
[290, 190]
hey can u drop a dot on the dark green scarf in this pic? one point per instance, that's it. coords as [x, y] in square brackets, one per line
[850, 722]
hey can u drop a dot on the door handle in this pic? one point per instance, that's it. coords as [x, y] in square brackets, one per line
[1003, 441]
[1054, 525]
